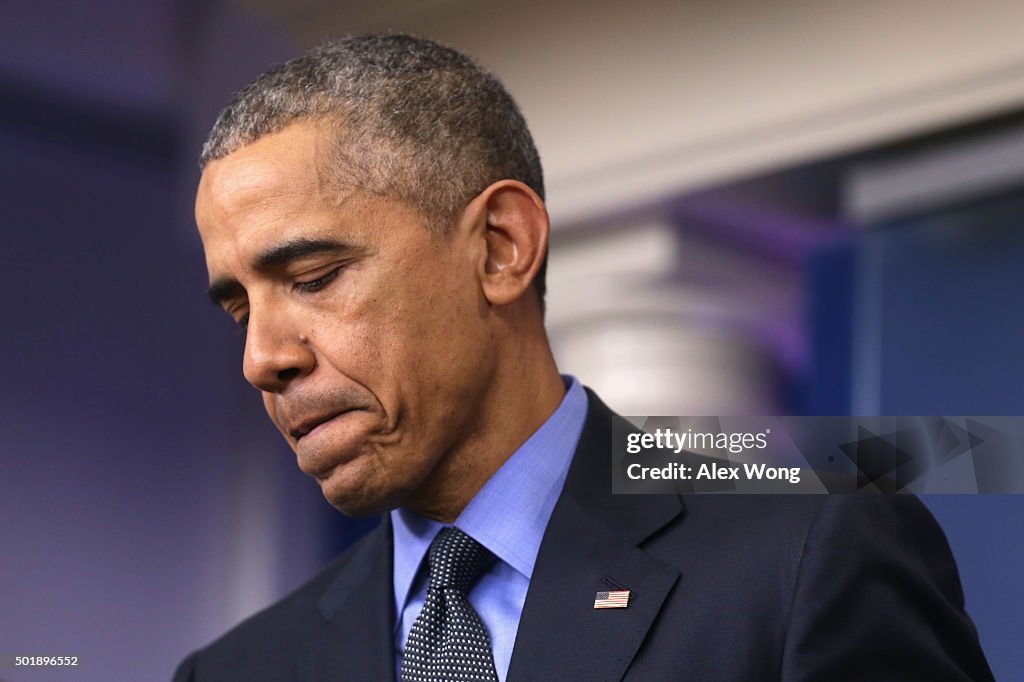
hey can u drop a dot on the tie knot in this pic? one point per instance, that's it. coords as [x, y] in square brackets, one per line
[456, 560]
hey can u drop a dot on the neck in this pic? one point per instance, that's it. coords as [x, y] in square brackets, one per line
[522, 394]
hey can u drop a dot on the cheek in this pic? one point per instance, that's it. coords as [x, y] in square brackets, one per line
[407, 336]
[443, 344]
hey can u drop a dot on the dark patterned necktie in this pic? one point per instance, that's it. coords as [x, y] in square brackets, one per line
[448, 642]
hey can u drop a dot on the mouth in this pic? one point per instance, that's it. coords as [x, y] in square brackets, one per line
[304, 428]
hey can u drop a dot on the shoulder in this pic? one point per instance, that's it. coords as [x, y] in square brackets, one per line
[869, 578]
[792, 537]
[750, 545]
[800, 534]
[799, 519]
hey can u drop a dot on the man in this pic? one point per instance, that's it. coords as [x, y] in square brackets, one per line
[372, 213]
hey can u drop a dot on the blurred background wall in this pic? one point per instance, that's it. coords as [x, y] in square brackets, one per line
[760, 208]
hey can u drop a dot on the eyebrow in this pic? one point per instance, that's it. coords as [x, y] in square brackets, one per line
[225, 288]
[293, 250]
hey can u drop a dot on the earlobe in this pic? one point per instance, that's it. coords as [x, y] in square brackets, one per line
[516, 234]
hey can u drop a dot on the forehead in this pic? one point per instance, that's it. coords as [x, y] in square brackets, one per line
[279, 189]
[276, 167]
[268, 191]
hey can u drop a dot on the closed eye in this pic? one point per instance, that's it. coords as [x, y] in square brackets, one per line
[319, 283]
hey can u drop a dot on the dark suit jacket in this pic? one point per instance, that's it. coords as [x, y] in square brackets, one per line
[735, 587]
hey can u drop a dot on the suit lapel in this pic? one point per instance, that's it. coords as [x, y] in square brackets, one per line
[356, 641]
[590, 546]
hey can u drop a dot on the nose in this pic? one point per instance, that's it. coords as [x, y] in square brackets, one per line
[275, 353]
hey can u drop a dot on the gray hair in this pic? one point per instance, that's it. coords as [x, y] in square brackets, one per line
[416, 121]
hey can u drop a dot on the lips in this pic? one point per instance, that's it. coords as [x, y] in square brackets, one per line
[304, 427]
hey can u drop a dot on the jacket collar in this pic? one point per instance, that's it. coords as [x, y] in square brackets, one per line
[592, 545]
[356, 642]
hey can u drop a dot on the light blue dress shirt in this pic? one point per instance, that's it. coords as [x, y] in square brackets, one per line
[507, 516]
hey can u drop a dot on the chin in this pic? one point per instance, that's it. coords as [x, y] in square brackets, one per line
[359, 508]
[357, 500]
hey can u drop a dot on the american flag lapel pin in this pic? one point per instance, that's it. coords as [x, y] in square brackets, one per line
[616, 599]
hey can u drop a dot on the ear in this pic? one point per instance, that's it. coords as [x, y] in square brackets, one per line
[513, 222]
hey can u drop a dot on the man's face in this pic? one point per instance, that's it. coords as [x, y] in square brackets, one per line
[365, 332]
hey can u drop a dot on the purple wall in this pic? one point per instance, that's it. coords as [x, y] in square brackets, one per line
[109, 416]
[145, 504]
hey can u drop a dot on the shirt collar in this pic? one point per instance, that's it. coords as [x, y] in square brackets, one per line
[509, 514]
